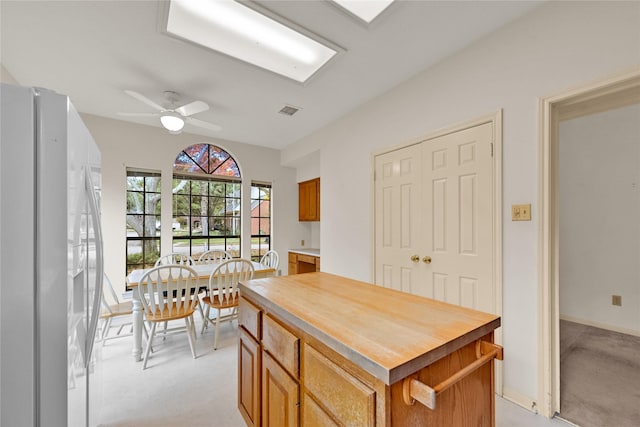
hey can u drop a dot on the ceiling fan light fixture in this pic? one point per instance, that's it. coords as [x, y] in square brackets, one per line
[172, 121]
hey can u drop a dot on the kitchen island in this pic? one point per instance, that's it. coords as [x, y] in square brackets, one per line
[320, 349]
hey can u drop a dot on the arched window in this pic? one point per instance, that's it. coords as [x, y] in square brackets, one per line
[206, 201]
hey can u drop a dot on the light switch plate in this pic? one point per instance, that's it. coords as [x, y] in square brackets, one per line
[521, 212]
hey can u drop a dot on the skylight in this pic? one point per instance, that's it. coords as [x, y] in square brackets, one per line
[236, 30]
[367, 10]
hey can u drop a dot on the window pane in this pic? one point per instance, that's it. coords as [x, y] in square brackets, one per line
[255, 192]
[180, 226]
[265, 208]
[135, 202]
[151, 202]
[196, 187]
[216, 206]
[264, 227]
[234, 225]
[181, 205]
[195, 205]
[152, 184]
[151, 251]
[135, 183]
[217, 188]
[233, 247]
[151, 226]
[198, 246]
[181, 186]
[135, 223]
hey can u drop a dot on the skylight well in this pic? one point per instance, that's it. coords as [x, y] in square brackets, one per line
[367, 10]
[236, 30]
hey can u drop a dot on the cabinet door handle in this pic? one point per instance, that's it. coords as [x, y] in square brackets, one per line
[413, 389]
[415, 258]
[426, 259]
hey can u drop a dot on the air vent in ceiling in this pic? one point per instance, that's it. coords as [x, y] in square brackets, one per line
[288, 110]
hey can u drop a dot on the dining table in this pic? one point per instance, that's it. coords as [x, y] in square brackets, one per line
[204, 272]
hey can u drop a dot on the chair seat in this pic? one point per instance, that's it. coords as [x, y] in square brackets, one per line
[169, 313]
[120, 309]
[229, 302]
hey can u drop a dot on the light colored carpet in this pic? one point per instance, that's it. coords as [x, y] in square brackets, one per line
[599, 376]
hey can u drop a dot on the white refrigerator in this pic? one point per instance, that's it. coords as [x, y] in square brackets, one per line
[51, 265]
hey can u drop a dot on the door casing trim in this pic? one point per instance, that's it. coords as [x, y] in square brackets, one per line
[602, 95]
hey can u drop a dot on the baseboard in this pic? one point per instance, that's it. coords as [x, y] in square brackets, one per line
[520, 399]
[601, 325]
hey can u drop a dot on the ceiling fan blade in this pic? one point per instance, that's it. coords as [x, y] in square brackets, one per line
[138, 114]
[144, 100]
[192, 108]
[203, 124]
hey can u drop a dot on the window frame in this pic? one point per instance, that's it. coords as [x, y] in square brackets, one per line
[146, 261]
[260, 217]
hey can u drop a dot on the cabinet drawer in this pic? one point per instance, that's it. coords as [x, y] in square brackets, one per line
[282, 345]
[307, 258]
[249, 317]
[348, 400]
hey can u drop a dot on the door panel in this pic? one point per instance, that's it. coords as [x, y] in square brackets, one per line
[440, 207]
[397, 225]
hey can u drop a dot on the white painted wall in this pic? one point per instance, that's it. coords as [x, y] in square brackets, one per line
[127, 145]
[5, 76]
[600, 218]
[556, 47]
[308, 167]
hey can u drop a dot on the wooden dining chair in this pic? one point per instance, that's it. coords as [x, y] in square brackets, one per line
[271, 259]
[214, 256]
[113, 308]
[223, 292]
[169, 292]
[174, 258]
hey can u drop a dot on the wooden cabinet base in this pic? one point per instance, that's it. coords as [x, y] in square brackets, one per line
[310, 380]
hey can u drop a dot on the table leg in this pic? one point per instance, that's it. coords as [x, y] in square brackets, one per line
[137, 327]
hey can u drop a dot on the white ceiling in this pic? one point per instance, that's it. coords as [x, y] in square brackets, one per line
[93, 50]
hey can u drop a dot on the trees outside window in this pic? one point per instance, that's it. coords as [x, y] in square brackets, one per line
[260, 220]
[143, 219]
[206, 201]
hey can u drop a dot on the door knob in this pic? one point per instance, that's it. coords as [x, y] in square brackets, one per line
[426, 259]
[415, 258]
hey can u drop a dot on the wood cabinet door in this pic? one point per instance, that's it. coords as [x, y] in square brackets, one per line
[344, 398]
[309, 200]
[280, 395]
[249, 367]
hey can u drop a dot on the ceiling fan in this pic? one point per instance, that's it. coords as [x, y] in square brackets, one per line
[173, 117]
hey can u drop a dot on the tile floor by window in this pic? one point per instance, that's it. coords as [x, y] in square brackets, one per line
[177, 390]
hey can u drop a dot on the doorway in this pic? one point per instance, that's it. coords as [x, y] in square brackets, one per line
[605, 96]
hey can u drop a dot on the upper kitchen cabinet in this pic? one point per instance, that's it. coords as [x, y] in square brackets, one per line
[309, 200]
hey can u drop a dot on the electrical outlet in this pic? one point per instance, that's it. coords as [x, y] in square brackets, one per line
[616, 300]
[301, 242]
[521, 212]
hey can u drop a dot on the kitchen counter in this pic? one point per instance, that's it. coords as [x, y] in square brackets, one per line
[341, 340]
[306, 251]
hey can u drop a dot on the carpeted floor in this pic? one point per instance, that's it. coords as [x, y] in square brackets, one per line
[599, 376]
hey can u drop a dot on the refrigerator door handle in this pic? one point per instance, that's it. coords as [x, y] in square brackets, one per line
[97, 297]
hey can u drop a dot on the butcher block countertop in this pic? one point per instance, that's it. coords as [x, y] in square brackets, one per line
[389, 334]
